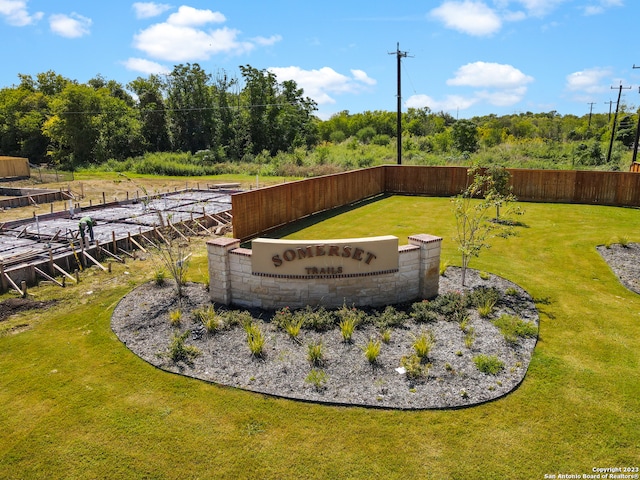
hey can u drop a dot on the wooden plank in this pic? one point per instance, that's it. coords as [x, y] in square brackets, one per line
[140, 247]
[94, 261]
[63, 272]
[13, 284]
[47, 276]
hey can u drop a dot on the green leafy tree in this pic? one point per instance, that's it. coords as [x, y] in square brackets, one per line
[464, 134]
[152, 113]
[191, 119]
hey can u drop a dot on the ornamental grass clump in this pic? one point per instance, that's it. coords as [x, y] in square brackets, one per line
[207, 316]
[255, 339]
[349, 319]
[315, 353]
[423, 343]
[414, 368]
[179, 352]
[486, 309]
[317, 378]
[372, 350]
[175, 317]
[489, 364]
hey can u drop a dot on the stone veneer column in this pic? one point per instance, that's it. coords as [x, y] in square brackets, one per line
[219, 271]
[430, 247]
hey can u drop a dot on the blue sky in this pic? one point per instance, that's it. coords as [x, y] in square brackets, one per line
[466, 57]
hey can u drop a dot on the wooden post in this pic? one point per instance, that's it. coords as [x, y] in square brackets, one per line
[23, 288]
[77, 276]
[109, 267]
[3, 280]
[104, 200]
[113, 241]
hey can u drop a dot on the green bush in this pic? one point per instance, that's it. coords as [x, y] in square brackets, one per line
[317, 378]
[488, 364]
[390, 318]
[414, 367]
[421, 312]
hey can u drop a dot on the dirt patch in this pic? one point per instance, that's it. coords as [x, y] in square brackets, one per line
[15, 305]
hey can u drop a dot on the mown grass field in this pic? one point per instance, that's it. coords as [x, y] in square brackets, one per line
[75, 403]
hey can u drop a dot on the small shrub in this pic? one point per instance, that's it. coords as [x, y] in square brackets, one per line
[385, 335]
[488, 364]
[483, 296]
[293, 328]
[390, 318]
[317, 378]
[423, 344]
[452, 305]
[232, 318]
[372, 350]
[315, 353]
[414, 367]
[319, 319]
[484, 276]
[255, 339]
[513, 328]
[421, 312]
[282, 317]
[511, 292]
[175, 317]
[179, 352]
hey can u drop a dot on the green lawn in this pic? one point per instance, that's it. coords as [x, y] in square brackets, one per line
[75, 403]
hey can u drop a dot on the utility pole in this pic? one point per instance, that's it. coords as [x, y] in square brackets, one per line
[399, 55]
[615, 119]
[635, 143]
[590, 112]
[610, 102]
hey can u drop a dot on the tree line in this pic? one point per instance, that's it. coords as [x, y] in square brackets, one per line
[52, 119]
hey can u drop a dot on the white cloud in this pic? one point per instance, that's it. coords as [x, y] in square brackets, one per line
[486, 74]
[181, 38]
[145, 66]
[189, 16]
[149, 9]
[322, 84]
[267, 42]
[589, 80]
[450, 102]
[473, 18]
[17, 14]
[70, 26]
[361, 76]
[601, 6]
[539, 8]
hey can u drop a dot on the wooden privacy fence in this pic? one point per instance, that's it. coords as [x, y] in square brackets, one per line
[14, 167]
[258, 211]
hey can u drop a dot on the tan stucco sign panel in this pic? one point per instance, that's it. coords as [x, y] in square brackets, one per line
[308, 258]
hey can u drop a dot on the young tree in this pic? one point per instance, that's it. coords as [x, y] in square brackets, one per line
[472, 210]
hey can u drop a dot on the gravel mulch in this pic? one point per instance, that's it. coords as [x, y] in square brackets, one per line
[624, 260]
[141, 321]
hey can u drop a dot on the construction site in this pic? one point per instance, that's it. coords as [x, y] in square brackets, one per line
[49, 246]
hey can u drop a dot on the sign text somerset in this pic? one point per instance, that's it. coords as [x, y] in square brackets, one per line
[310, 258]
